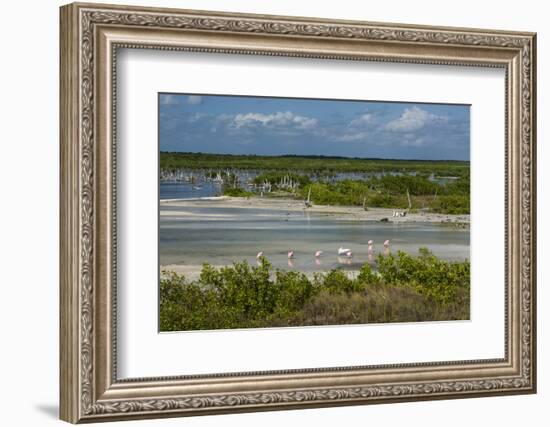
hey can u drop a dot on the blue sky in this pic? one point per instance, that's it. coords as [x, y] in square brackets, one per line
[275, 126]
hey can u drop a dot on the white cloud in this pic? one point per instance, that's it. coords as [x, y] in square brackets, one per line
[194, 99]
[196, 117]
[362, 120]
[414, 118]
[353, 137]
[168, 100]
[416, 142]
[279, 119]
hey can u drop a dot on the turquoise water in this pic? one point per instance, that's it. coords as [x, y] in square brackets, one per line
[220, 235]
[185, 190]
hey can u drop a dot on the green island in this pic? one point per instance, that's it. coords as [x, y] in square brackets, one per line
[400, 288]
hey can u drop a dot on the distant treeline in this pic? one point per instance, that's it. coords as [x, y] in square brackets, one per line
[310, 164]
[403, 289]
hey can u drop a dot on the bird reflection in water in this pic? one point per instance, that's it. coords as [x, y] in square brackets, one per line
[345, 260]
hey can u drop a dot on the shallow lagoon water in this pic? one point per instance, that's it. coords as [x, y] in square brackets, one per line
[192, 235]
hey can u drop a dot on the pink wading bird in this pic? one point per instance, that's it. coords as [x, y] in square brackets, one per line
[318, 258]
[290, 256]
[386, 247]
[371, 243]
[344, 252]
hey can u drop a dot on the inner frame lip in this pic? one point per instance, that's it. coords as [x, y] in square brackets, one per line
[466, 364]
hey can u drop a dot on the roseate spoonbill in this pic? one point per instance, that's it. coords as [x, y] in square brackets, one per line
[371, 243]
[387, 247]
[344, 252]
[290, 254]
[318, 254]
[260, 254]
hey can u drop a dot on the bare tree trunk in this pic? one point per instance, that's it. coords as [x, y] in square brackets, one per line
[409, 198]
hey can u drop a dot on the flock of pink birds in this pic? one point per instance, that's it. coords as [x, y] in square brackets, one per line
[342, 252]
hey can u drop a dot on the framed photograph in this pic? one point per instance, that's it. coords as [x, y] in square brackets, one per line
[266, 212]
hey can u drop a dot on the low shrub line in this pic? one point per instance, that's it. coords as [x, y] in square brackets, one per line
[403, 288]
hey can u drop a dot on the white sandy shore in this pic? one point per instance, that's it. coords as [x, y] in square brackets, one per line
[193, 272]
[355, 213]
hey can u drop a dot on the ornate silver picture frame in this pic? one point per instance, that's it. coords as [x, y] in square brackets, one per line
[91, 35]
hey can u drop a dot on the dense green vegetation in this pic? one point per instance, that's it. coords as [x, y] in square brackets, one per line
[391, 192]
[403, 289]
[309, 164]
[397, 184]
[236, 192]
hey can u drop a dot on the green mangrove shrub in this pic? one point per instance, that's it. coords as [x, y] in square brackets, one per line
[400, 288]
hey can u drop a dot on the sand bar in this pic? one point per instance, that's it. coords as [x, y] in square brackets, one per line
[356, 213]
